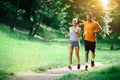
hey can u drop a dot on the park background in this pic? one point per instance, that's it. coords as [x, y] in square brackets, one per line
[32, 36]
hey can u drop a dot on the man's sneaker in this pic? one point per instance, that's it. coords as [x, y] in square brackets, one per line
[78, 66]
[92, 63]
[70, 67]
[86, 68]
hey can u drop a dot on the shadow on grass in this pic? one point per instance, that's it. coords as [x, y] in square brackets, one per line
[103, 49]
[108, 49]
[3, 75]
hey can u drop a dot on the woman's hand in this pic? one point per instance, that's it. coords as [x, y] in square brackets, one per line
[67, 35]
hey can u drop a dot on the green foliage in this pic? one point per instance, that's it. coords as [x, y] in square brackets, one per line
[20, 14]
[57, 13]
[7, 12]
[16, 53]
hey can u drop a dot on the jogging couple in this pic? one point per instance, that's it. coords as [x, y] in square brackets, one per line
[91, 28]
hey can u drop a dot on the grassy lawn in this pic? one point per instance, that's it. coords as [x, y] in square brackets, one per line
[108, 72]
[110, 58]
[19, 52]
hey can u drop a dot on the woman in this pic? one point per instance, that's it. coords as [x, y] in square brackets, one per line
[74, 34]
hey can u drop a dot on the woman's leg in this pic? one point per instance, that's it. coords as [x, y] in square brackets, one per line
[70, 56]
[78, 57]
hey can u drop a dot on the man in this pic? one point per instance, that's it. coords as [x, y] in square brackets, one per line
[91, 27]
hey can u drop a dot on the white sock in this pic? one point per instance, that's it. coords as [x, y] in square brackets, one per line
[86, 63]
[92, 59]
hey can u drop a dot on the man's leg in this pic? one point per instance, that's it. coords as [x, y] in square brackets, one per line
[93, 55]
[86, 54]
[86, 60]
[92, 61]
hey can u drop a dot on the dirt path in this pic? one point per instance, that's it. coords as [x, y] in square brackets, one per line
[52, 74]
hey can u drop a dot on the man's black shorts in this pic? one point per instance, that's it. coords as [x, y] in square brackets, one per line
[90, 46]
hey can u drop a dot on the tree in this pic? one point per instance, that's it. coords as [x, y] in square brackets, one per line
[55, 13]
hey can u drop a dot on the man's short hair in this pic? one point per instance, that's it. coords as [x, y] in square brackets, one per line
[90, 14]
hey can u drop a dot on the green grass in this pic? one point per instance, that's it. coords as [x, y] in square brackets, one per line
[108, 72]
[24, 53]
[49, 32]
[110, 58]
[19, 52]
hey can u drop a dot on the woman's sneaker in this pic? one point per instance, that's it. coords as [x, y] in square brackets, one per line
[78, 66]
[70, 67]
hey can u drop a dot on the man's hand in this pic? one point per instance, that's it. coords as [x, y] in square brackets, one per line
[94, 32]
[97, 31]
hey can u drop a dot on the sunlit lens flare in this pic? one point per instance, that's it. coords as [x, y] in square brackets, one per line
[105, 3]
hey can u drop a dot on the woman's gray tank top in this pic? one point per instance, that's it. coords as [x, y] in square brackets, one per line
[73, 36]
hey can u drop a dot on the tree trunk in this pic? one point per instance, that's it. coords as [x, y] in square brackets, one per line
[32, 29]
[15, 18]
[36, 29]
